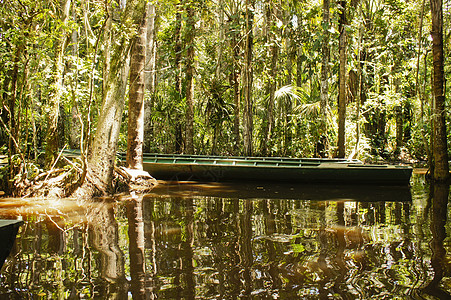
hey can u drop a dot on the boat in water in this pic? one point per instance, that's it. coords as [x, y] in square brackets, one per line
[274, 169]
[182, 167]
[8, 232]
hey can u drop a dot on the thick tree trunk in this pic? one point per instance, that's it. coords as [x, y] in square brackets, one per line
[247, 82]
[135, 137]
[190, 44]
[56, 89]
[103, 152]
[324, 100]
[440, 150]
[102, 156]
[342, 82]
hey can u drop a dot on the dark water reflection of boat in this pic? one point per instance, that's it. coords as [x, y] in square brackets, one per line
[210, 241]
[315, 192]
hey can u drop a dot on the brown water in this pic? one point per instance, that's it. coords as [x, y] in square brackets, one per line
[213, 241]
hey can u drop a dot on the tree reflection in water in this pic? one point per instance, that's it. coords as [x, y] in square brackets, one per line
[136, 247]
[439, 213]
[227, 248]
[104, 234]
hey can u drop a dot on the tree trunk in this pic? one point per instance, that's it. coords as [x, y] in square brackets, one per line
[190, 44]
[288, 105]
[12, 140]
[235, 83]
[150, 76]
[221, 38]
[135, 137]
[399, 128]
[273, 53]
[440, 150]
[342, 82]
[56, 89]
[324, 100]
[102, 157]
[178, 80]
[247, 82]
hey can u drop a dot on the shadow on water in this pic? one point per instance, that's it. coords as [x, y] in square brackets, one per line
[223, 241]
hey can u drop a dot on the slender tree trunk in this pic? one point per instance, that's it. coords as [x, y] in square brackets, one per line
[135, 137]
[273, 53]
[235, 83]
[440, 150]
[12, 140]
[417, 76]
[190, 44]
[359, 91]
[342, 82]
[399, 128]
[56, 88]
[247, 82]
[150, 49]
[288, 105]
[150, 76]
[324, 100]
[221, 38]
[272, 92]
[178, 80]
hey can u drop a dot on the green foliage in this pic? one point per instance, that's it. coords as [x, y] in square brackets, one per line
[382, 46]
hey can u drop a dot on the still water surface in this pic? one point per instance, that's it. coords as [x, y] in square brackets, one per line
[213, 241]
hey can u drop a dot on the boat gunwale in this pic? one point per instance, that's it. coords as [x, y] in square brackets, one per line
[294, 165]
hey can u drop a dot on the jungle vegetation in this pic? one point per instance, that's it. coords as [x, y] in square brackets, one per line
[344, 78]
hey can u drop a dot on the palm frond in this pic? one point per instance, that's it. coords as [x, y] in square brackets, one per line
[308, 110]
[288, 91]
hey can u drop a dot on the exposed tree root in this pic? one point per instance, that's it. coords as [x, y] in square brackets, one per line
[63, 182]
[129, 180]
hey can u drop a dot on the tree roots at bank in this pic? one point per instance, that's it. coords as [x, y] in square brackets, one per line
[68, 180]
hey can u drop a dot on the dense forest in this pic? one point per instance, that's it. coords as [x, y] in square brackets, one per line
[356, 78]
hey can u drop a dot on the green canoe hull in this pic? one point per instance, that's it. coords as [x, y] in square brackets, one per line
[284, 171]
[176, 167]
